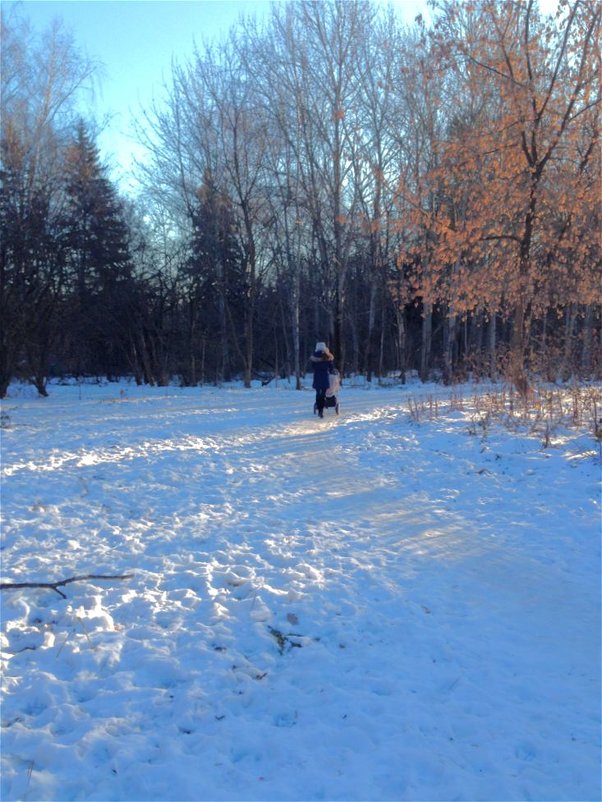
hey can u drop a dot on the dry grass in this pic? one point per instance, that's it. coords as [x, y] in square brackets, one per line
[542, 412]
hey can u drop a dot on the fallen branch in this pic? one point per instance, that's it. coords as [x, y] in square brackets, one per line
[56, 585]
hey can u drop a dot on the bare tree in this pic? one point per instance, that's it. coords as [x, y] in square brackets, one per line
[42, 78]
[378, 162]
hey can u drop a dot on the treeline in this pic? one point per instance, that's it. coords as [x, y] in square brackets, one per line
[422, 198]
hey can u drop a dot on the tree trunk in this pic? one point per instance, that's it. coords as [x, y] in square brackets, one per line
[8, 355]
[250, 297]
[371, 324]
[192, 367]
[588, 332]
[491, 345]
[296, 327]
[426, 344]
[381, 348]
[517, 368]
[401, 343]
[145, 358]
[567, 366]
[248, 352]
[339, 343]
[203, 352]
[449, 335]
[224, 356]
[353, 335]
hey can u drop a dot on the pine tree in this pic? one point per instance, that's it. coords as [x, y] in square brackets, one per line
[212, 280]
[98, 258]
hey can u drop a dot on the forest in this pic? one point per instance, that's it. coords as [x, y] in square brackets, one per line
[424, 198]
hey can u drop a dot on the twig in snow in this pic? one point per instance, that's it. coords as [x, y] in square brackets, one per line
[56, 585]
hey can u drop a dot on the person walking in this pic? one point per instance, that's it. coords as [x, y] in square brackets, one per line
[323, 365]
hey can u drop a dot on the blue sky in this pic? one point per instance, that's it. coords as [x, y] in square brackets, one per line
[136, 40]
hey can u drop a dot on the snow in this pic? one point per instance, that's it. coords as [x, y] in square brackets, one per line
[364, 607]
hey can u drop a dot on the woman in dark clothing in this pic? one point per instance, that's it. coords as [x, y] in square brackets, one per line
[323, 364]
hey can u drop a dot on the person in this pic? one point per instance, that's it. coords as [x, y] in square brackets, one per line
[323, 365]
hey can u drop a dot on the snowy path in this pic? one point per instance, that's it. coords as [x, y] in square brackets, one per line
[355, 608]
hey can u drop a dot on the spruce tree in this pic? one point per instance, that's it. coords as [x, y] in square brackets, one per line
[99, 261]
[212, 281]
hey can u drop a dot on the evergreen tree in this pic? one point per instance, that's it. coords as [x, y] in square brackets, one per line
[41, 78]
[98, 258]
[212, 282]
[31, 279]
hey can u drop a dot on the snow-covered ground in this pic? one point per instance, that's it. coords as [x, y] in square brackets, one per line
[366, 607]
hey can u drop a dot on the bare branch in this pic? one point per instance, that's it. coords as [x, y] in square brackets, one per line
[56, 585]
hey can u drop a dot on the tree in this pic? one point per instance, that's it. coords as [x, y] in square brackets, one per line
[98, 258]
[515, 179]
[419, 190]
[41, 79]
[325, 89]
[378, 161]
[211, 280]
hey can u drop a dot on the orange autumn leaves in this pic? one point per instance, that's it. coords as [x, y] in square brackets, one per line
[507, 213]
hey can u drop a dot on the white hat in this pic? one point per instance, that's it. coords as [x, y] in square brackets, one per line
[321, 347]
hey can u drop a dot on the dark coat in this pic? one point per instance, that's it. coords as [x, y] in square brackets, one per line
[322, 370]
